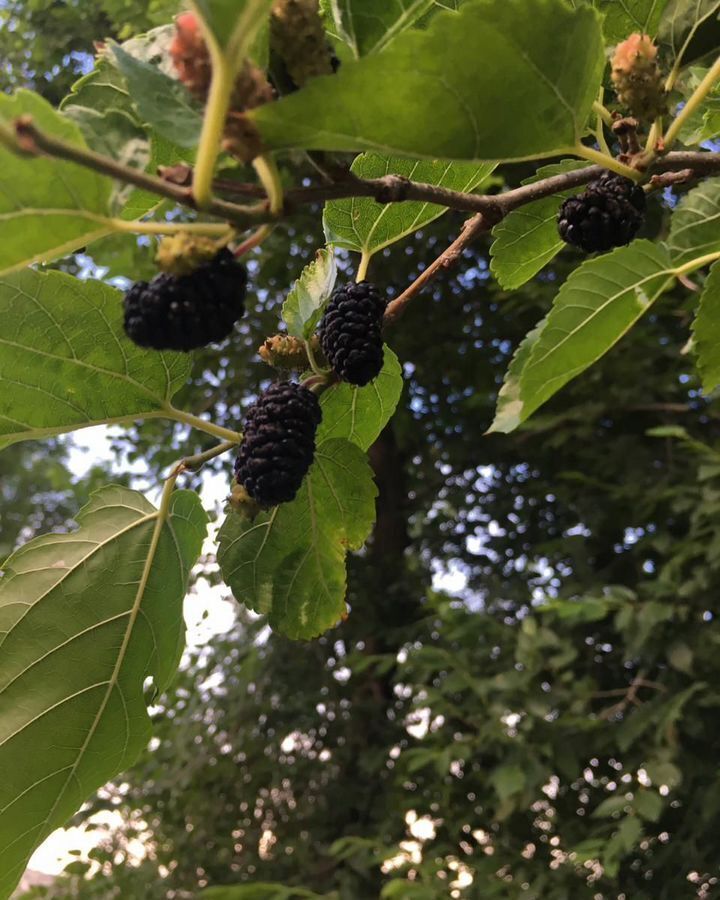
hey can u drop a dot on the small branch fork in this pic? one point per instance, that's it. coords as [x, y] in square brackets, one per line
[628, 695]
[175, 182]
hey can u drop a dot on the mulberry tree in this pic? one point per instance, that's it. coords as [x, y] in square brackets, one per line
[199, 136]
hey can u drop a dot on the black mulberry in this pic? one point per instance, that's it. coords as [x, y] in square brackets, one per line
[607, 214]
[278, 444]
[183, 312]
[351, 332]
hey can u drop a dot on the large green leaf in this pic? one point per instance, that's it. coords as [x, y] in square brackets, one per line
[359, 414]
[478, 84]
[683, 19]
[359, 223]
[289, 562]
[48, 207]
[85, 618]
[527, 239]
[368, 26]
[695, 224]
[595, 307]
[304, 304]
[706, 330]
[65, 362]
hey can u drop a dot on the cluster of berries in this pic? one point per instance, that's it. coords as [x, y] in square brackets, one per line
[183, 312]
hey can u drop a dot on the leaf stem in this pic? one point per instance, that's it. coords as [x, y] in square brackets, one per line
[694, 264]
[603, 112]
[211, 229]
[693, 102]
[225, 434]
[363, 266]
[607, 161]
[312, 359]
[255, 240]
[267, 172]
[195, 462]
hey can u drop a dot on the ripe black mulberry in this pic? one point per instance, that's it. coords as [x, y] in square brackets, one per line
[607, 214]
[351, 332]
[183, 312]
[278, 444]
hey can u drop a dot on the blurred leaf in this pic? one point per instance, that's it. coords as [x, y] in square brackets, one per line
[682, 19]
[162, 102]
[623, 17]
[706, 331]
[504, 90]
[234, 23]
[648, 804]
[508, 780]
[368, 26]
[610, 806]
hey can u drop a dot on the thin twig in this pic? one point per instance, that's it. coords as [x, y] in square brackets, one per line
[471, 229]
[33, 141]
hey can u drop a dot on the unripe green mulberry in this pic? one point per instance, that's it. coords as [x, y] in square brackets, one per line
[297, 36]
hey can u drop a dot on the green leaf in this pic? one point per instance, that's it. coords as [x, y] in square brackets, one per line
[103, 89]
[508, 780]
[681, 21]
[694, 225]
[610, 806]
[48, 207]
[527, 239]
[680, 657]
[706, 331]
[662, 772]
[368, 26]
[704, 123]
[114, 134]
[623, 17]
[509, 403]
[359, 414]
[234, 23]
[65, 362]
[304, 304]
[595, 307]
[476, 85]
[259, 891]
[359, 223]
[289, 562]
[648, 804]
[85, 618]
[162, 153]
[162, 102]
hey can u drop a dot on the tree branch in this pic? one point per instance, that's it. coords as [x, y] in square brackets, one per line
[33, 141]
